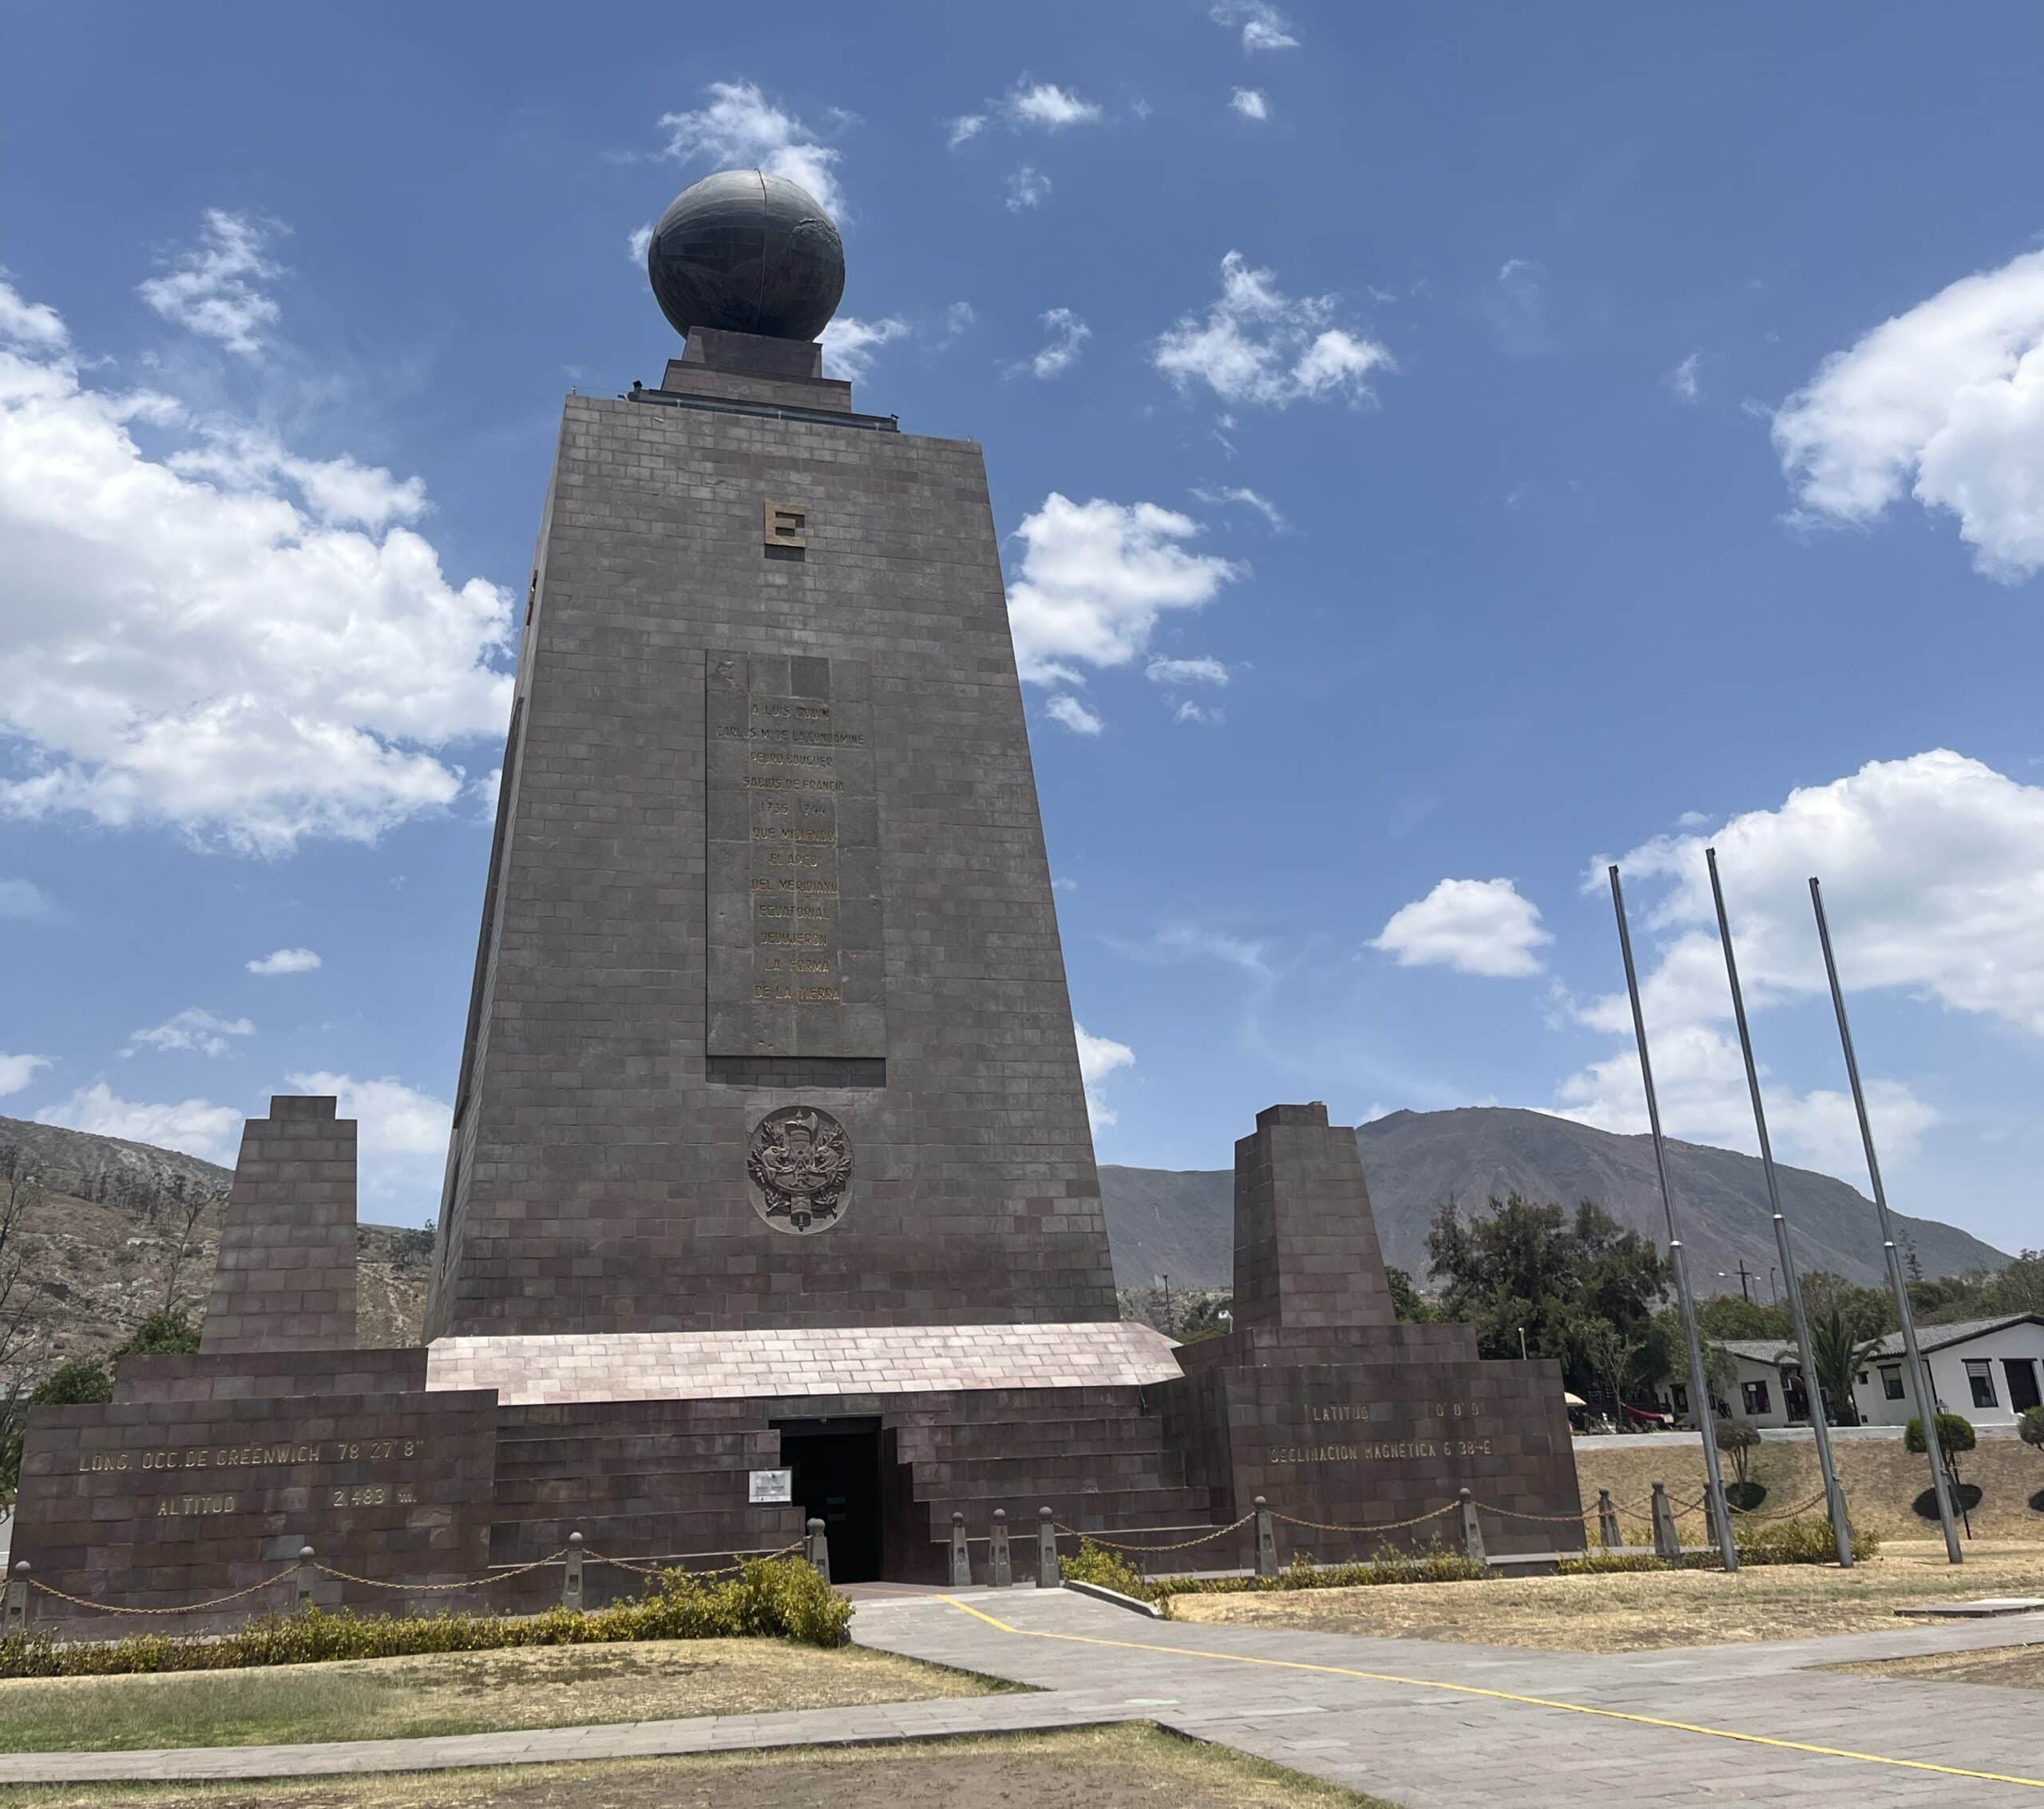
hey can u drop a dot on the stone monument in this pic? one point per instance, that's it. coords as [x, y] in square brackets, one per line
[770, 1195]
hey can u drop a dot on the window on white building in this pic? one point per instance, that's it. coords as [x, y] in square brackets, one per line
[1756, 1398]
[1891, 1382]
[1980, 1378]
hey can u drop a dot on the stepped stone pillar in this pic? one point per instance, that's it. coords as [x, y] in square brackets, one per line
[286, 1279]
[1306, 1253]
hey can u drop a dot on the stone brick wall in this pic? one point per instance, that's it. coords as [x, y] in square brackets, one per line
[598, 1177]
[1306, 1251]
[286, 1279]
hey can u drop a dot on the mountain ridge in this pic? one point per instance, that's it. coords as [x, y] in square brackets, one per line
[1180, 1221]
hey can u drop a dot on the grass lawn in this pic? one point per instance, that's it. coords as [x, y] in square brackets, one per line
[1628, 1613]
[2011, 1667]
[1119, 1768]
[460, 1693]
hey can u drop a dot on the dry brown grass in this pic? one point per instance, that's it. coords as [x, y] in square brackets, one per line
[2012, 1667]
[1133, 1766]
[1881, 1481]
[1638, 1611]
[460, 1692]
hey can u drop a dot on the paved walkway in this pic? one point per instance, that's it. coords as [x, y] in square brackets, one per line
[1427, 1725]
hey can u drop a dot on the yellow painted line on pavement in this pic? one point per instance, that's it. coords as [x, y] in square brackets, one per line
[1508, 1695]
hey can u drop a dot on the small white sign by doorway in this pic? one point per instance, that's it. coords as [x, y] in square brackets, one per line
[770, 1485]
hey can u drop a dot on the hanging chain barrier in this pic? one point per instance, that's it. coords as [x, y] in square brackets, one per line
[1574, 1519]
[1183, 1544]
[188, 1608]
[662, 1570]
[1381, 1527]
[470, 1583]
[1815, 1500]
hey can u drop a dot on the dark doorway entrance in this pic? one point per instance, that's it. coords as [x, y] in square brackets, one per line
[837, 1480]
[2021, 1372]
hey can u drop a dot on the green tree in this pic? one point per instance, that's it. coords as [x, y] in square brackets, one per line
[2030, 1428]
[1838, 1355]
[1956, 1435]
[1739, 1439]
[2020, 1287]
[166, 1332]
[1731, 1316]
[1410, 1306]
[1870, 1311]
[1521, 1267]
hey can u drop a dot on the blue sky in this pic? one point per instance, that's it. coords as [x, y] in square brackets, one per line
[1437, 451]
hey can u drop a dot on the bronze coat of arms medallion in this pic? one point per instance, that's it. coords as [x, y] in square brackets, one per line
[799, 1162]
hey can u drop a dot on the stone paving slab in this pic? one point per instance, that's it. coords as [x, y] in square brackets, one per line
[1427, 1725]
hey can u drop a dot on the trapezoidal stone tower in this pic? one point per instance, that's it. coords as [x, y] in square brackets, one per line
[769, 1026]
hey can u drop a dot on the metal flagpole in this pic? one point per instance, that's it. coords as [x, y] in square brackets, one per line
[1926, 1412]
[1834, 1496]
[1699, 1383]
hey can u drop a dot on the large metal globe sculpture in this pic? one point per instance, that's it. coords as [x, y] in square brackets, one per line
[746, 252]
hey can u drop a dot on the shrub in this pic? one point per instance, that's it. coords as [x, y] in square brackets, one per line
[1799, 1542]
[1108, 1570]
[2029, 1428]
[166, 1332]
[1603, 1563]
[770, 1598]
[1955, 1434]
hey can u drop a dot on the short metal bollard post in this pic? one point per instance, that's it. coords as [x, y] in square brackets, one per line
[571, 1575]
[302, 1582]
[818, 1550]
[1000, 1569]
[1472, 1532]
[961, 1554]
[1667, 1542]
[1610, 1534]
[1266, 1540]
[1050, 1573]
[17, 1615]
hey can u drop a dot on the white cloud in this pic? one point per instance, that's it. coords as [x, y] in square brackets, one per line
[196, 647]
[964, 127]
[957, 318]
[1476, 926]
[1190, 711]
[1065, 333]
[17, 1071]
[338, 492]
[1205, 669]
[849, 344]
[33, 324]
[1094, 577]
[1251, 103]
[636, 245]
[1257, 345]
[285, 961]
[1248, 498]
[210, 288]
[1264, 27]
[1099, 1057]
[1518, 308]
[194, 1028]
[1933, 869]
[1044, 104]
[1193, 942]
[1683, 382]
[1947, 398]
[401, 1137]
[196, 1127]
[1066, 709]
[740, 128]
[22, 899]
[1027, 188]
